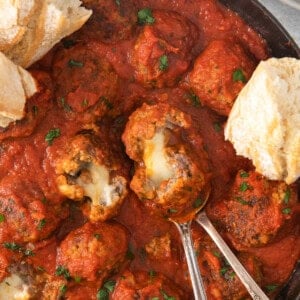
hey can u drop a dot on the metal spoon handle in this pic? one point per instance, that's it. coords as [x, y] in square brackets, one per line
[254, 290]
[197, 282]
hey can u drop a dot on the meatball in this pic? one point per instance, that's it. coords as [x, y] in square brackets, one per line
[27, 215]
[93, 251]
[220, 280]
[169, 172]
[85, 82]
[89, 169]
[256, 209]
[162, 51]
[142, 285]
[219, 74]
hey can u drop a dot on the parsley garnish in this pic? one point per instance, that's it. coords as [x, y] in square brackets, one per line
[68, 43]
[97, 236]
[197, 203]
[107, 103]
[287, 196]
[62, 271]
[271, 287]
[2, 218]
[145, 16]
[244, 174]
[35, 110]
[85, 102]
[163, 63]
[194, 100]
[241, 200]
[62, 290]
[166, 296]
[28, 252]
[77, 279]
[51, 135]
[244, 187]
[65, 104]
[41, 224]
[118, 2]
[102, 295]
[287, 211]
[238, 75]
[172, 211]
[75, 64]
[108, 287]
[217, 127]
[152, 274]
[12, 246]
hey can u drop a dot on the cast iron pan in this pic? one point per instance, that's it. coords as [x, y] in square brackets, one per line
[281, 44]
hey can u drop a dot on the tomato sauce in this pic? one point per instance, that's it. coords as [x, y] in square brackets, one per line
[93, 81]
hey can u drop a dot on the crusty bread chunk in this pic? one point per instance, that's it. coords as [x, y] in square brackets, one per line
[52, 20]
[264, 124]
[16, 86]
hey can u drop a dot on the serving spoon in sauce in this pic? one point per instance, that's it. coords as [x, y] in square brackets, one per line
[183, 224]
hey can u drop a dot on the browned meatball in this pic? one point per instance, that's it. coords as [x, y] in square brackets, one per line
[256, 209]
[162, 51]
[142, 285]
[170, 173]
[85, 82]
[220, 280]
[219, 74]
[88, 168]
[93, 251]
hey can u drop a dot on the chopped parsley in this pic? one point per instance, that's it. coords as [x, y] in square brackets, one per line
[172, 211]
[194, 99]
[271, 287]
[145, 16]
[197, 203]
[40, 268]
[65, 104]
[12, 246]
[68, 43]
[238, 75]
[106, 102]
[85, 102]
[217, 127]
[41, 224]
[217, 254]
[287, 196]
[166, 296]
[244, 187]
[2, 218]
[154, 298]
[35, 110]
[223, 271]
[287, 211]
[77, 279]
[62, 289]
[102, 295]
[75, 63]
[62, 271]
[118, 2]
[163, 63]
[97, 236]
[241, 200]
[28, 252]
[108, 287]
[152, 274]
[52, 135]
[244, 174]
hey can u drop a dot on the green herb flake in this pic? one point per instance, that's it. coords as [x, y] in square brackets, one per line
[271, 287]
[287, 196]
[223, 271]
[2, 218]
[28, 252]
[75, 64]
[195, 100]
[102, 295]
[62, 289]
[12, 246]
[35, 110]
[52, 135]
[41, 224]
[68, 43]
[77, 279]
[110, 285]
[154, 298]
[287, 211]
[163, 63]
[62, 271]
[197, 203]
[217, 254]
[217, 127]
[97, 236]
[106, 102]
[166, 296]
[65, 104]
[238, 75]
[241, 200]
[244, 187]
[40, 268]
[118, 2]
[152, 274]
[85, 103]
[172, 211]
[244, 174]
[145, 16]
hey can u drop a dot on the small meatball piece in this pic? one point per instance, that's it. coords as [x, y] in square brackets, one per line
[111, 21]
[219, 74]
[220, 280]
[89, 169]
[146, 286]
[169, 172]
[162, 51]
[28, 216]
[93, 251]
[85, 81]
[256, 209]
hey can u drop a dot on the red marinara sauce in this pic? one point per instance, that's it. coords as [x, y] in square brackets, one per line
[194, 56]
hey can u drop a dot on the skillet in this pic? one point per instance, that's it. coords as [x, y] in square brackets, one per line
[281, 44]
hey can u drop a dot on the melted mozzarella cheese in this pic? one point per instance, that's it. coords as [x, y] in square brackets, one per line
[13, 288]
[158, 168]
[98, 189]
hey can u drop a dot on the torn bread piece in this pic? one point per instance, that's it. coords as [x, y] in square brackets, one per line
[52, 21]
[17, 85]
[264, 124]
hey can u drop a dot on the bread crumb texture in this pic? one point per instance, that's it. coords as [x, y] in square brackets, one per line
[264, 124]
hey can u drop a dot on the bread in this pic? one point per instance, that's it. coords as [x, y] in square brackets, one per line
[16, 86]
[264, 124]
[52, 20]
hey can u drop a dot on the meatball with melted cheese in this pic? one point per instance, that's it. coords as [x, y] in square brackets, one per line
[93, 251]
[162, 51]
[142, 285]
[256, 209]
[170, 172]
[89, 169]
[219, 74]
